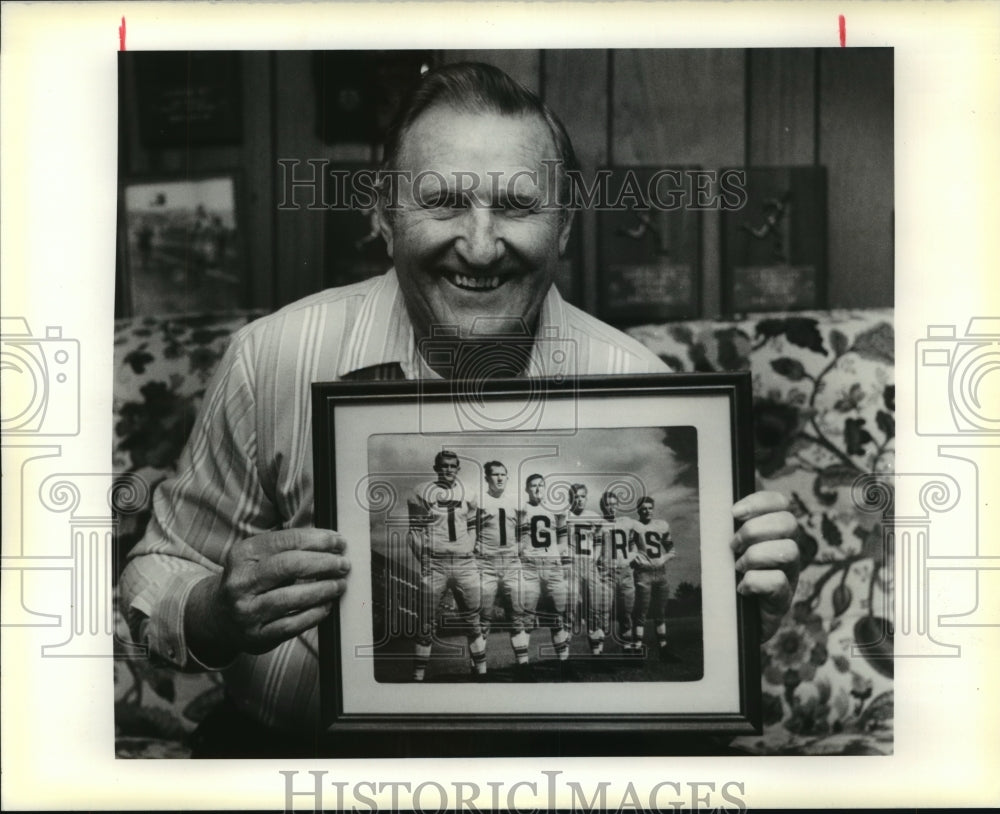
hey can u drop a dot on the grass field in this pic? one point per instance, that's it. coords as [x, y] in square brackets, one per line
[450, 660]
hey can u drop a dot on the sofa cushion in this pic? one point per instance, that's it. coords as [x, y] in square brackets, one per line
[824, 416]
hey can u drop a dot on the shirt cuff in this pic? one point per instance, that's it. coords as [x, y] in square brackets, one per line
[166, 625]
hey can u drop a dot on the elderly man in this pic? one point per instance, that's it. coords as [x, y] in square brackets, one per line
[232, 574]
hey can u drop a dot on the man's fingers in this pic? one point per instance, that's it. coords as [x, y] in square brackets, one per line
[771, 526]
[297, 598]
[273, 633]
[759, 503]
[289, 566]
[769, 554]
[305, 539]
[774, 593]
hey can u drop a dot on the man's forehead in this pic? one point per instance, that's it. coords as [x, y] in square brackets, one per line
[482, 139]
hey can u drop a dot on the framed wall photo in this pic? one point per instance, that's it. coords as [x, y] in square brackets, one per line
[540, 538]
[774, 254]
[182, 246]
[649, 245]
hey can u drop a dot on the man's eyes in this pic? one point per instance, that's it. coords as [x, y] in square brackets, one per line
[448, 203]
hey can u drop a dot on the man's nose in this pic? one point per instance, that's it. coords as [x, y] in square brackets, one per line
[480, 244]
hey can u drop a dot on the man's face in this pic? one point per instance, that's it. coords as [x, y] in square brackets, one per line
[447, 470]
[579, 500]
[536, 488]
[470, 240]
[610, 505]
[645, 510]
[496, 480]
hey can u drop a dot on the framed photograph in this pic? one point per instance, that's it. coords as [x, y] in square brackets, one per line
[537, 554]
[181, 240]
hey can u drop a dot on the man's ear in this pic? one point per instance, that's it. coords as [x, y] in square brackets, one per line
[564, 229]
[382, 223]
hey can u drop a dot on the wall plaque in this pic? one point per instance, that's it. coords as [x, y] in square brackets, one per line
[649, 246]
[774, 247]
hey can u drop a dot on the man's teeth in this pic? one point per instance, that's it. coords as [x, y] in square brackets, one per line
[477, 283]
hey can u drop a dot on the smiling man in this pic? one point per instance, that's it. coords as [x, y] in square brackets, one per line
[232, 574]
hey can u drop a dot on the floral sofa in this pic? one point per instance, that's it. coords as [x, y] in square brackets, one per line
[824, 424]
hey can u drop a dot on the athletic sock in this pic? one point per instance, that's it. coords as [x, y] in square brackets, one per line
[560, 639]
[519, 641]
[423, 654]
[478, 649]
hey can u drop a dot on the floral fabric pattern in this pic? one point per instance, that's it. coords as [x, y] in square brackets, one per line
[162, 367]
[824, 415]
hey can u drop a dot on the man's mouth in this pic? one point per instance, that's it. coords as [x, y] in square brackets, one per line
[468, 283]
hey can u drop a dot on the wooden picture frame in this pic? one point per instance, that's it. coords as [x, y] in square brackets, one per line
[686, 440]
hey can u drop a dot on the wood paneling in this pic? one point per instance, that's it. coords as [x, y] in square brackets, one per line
[682, 107]
[678, 107]
[299, 232]
[257, 211]
[856, 145]
[781, 106]
[575, 87]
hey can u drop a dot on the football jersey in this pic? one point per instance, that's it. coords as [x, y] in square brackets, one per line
[542, 532]
[617, 541]
[441, 516]
[583, 535]
[653, 543]
[497, 525]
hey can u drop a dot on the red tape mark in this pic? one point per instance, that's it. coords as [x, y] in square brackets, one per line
[121, 35]
[843, 31]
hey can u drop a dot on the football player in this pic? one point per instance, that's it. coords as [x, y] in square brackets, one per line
[588, 581]
[543, 568]
[440, 519]
[617, 536]
[654, 549]
[499, 563]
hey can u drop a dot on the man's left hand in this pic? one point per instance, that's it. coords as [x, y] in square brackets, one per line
[767, 556]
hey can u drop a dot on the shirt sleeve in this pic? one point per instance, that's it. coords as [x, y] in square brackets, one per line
[215, 501]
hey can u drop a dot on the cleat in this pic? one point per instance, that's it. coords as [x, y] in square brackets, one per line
[524, 674]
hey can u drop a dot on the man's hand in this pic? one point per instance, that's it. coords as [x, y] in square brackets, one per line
[767, 557]
[273, 587]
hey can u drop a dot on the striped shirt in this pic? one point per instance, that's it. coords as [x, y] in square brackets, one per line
[247, 467]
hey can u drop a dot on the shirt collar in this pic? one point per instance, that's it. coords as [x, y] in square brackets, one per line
[382, 334]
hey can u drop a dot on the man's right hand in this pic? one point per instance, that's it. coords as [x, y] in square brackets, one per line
[273, 587]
